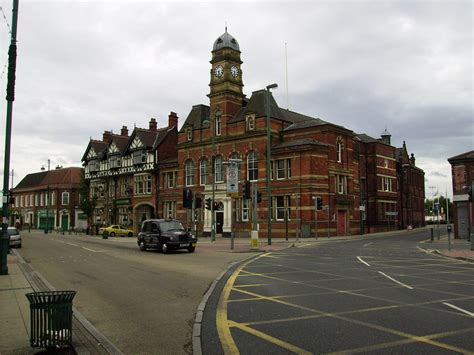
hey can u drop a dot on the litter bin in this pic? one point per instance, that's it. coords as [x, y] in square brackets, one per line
[51, 318]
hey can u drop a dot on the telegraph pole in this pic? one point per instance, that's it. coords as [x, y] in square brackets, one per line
[5, 239]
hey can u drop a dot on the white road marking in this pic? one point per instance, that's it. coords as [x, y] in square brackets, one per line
[94, 251]
[74, 245]
[362, 261]
[304, 245]
[367, 244]
[459, 309]
[398, 282]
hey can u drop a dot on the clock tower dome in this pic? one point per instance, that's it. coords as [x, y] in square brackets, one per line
[226, 94]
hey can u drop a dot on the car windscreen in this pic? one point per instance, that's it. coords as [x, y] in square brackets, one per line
[12, 231]
[170, 226]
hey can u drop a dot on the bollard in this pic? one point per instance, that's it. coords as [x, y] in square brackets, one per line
[432, 235]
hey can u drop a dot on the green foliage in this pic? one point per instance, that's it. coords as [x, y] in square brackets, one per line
[87, 204]
[442, 203]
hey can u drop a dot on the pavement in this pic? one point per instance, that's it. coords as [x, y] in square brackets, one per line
[22, 279]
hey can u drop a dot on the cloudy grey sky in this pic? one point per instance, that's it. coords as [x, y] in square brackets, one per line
[88, 66]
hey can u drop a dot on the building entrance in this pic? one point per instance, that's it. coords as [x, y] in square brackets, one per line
[341, 222]
[219, 221]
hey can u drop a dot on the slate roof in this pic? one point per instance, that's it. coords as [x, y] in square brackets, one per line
[198, 114]
[367, 139]
[99, 147]
[121, 142]
[257, 105]
[162, 133]
[63, 176]
[300, 142]
[462, 157]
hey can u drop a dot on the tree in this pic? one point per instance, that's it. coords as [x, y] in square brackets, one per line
[442, 204]
[87, 204]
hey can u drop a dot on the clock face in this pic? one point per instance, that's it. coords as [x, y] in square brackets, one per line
[218, 71]
[234, 71]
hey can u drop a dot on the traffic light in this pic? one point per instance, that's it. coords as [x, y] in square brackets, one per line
[198, 202]
[208, 203]
[259, 197]
[247, 193]
[319, 203]
[187, 198]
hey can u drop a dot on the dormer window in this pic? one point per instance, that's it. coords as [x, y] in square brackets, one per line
[250, 122]
[139, 157]
[189, 134]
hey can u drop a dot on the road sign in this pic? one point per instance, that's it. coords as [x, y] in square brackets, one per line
[232, 179]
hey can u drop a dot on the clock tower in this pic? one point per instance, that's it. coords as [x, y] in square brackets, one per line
[226, 95]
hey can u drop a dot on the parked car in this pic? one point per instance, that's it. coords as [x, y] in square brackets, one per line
[116, 229]
[15, 237]
[165, 235]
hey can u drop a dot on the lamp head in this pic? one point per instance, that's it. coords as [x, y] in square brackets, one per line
[272, 86]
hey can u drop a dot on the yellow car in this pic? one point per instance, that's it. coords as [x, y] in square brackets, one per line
[116, 229]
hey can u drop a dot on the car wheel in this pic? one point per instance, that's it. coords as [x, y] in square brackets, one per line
[112, 234]
[191, 249]
[164, 248]
[19, 246]
[130, 234]
[142, 245]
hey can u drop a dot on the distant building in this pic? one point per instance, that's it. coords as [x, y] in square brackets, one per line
[49, 199]
[366, 184]
[462, 173]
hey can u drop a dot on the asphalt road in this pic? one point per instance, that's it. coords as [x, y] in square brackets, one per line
[144, 302]
[383, 295]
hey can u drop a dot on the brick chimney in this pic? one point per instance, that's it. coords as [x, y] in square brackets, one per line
[152, 124]
[173, 120]
[124, 131]
[107, 137]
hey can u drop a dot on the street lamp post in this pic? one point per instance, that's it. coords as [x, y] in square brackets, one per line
[269, 154]
[5, 238]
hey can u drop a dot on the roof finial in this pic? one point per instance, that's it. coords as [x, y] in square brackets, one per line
[226, 27]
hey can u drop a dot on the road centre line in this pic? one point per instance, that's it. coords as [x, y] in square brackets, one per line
[459, 309]
[92, 250]
[398, 282]
[368, 244]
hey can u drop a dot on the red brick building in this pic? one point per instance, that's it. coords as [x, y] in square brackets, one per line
[49, 199]
[354, 175]
[462, 172]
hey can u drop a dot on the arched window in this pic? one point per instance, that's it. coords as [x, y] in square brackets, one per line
[339, 150]
[218, 169]
[203, 172]
[189, 167]
[218, 123]
[236, 156]
[252, 166]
